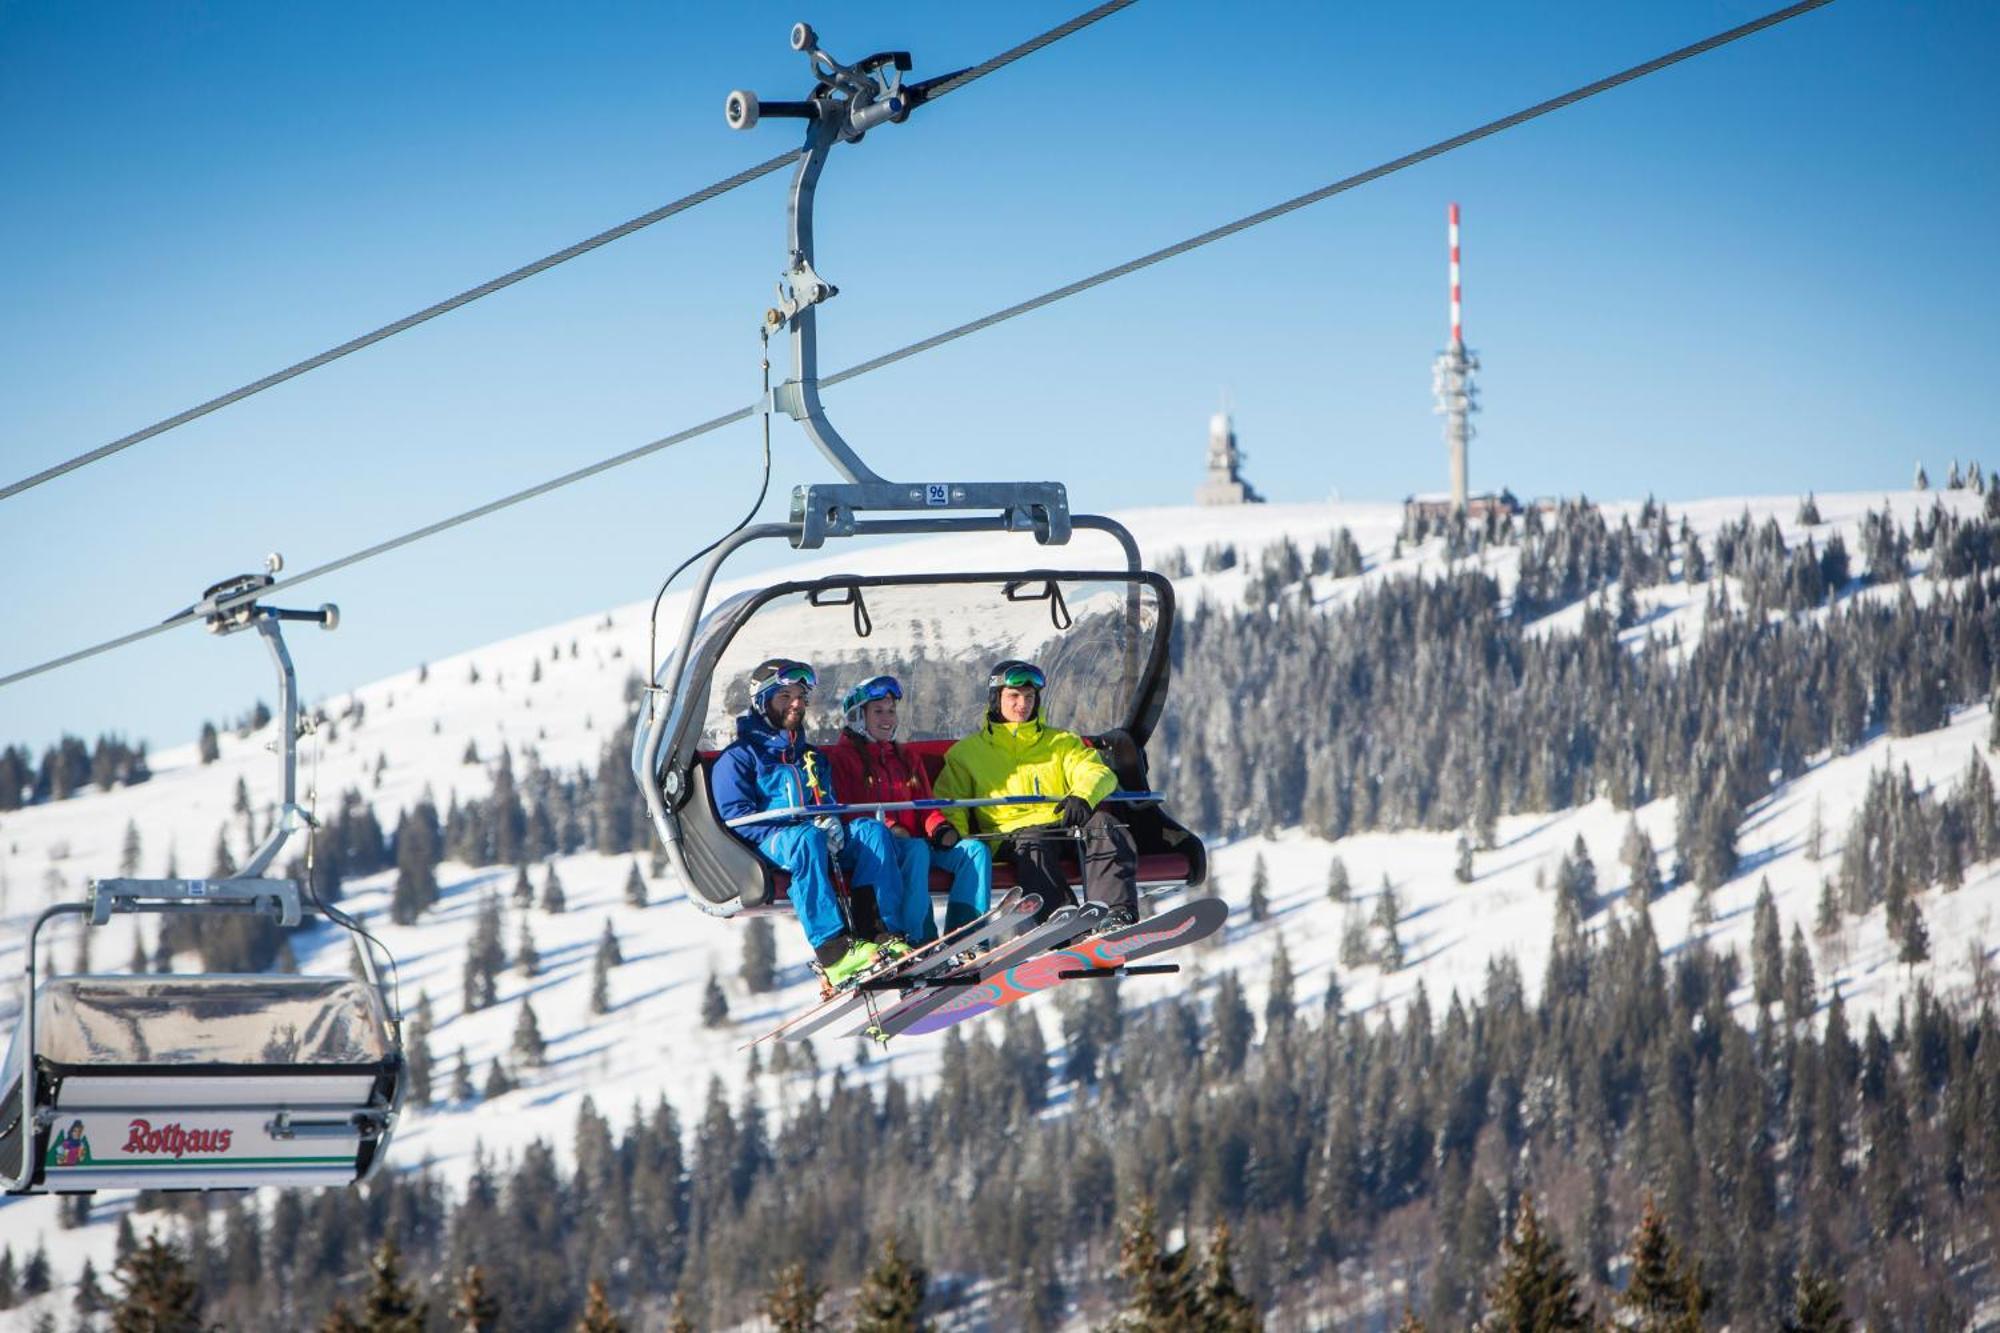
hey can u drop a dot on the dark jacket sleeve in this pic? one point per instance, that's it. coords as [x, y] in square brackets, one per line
[733, 780]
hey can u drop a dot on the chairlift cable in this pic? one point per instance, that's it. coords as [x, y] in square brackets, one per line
[936, 340]
[931, 92]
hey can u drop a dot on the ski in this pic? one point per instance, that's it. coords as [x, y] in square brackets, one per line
[912, 971]
[1102, 955]
[1003, 955]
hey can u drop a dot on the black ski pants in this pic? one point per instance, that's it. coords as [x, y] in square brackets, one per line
[1110, 862]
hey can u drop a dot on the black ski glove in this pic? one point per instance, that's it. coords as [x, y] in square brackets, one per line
[1075, 811]
[945, 838]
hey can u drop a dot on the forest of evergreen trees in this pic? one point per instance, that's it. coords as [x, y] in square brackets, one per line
[1356, 1165]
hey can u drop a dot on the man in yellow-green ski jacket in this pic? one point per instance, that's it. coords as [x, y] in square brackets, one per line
[1017, 754]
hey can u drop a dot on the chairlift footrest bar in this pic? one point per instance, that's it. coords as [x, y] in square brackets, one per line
[829, 509]
[1129, 970]
[277, 897]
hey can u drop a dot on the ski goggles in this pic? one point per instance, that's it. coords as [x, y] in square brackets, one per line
[770, 675]
[1017, 675]
[879, 687]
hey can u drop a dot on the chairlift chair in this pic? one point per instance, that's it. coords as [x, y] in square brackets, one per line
[1112, 624]
[205, 1081]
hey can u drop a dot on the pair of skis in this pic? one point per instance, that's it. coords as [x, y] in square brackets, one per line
[921, 969]
[928, 990]
[1064, 951]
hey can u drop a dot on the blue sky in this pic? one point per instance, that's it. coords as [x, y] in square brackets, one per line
[1759, 272]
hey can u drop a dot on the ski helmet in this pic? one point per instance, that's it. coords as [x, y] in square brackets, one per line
[772, 674]
[1020, 675]
[858, 698]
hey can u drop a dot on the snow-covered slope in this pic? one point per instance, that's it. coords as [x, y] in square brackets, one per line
[415, 728]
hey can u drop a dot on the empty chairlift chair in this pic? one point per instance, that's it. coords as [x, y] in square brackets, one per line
[213, 1081]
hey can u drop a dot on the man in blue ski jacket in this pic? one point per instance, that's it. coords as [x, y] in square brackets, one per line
[771, 767]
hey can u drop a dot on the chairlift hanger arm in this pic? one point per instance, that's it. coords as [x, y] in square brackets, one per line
[847, 102]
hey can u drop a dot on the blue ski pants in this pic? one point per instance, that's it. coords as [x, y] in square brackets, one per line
[970, 865]
[865, 858]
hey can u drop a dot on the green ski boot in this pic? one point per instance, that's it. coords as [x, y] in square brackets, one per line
[860, 956]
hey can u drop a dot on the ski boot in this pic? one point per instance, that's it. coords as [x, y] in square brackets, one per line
[861, 957]
[892, 948]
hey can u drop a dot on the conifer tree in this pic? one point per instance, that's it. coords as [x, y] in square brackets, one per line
[523, 894]
[714, 1004]
[418, 1052]
[1801, 988]
[1826, 921]
[474, 1309]
[1663, 1294]
[1818, 1306]
[1642, 863]
[35, 1272]
[635, 887]
[1536, 1290]
[792, 1305]
[891, 1299]
[1767, 950]
[1160, 1286]
[1462, 867]
[210, 747]
[1914, 937]
[222, 865]
[484, 957]
[1389, 949]
[128, 851]
[8, 1294]
[1279, 1004]
[89, 1298]
[1220, 1306]
[553, 898]
[498, 1081]
[1353, 939]
[1338, 888]
[760, 956]
[527, 958]
[136, 964]
[598, 1316]
[600, 983]
[159, 1294]
[1260, 889]
[461, 1079]
[391, 1304]
[528, 1047]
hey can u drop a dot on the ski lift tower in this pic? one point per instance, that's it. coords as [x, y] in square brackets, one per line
[1451, 381]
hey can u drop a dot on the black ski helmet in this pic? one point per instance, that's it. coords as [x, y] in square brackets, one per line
[1016, 673]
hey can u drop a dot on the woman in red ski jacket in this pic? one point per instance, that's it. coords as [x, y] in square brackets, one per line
[868, 765]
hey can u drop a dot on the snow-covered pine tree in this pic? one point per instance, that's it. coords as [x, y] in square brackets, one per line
[1260, 889]
[635, 887]
[128, 851]
[527, 1047]
[1462, 859]
[523, 894]
[760, 956]
[714, 1004]
[554, 901]
[527, 959]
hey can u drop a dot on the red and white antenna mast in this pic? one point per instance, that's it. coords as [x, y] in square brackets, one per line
[1451, 379]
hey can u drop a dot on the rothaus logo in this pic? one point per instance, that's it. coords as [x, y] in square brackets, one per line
[143, 1139]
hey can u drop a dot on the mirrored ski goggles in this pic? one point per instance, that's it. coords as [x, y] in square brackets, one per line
[1019, 676]
[784, 673]
[881, 687]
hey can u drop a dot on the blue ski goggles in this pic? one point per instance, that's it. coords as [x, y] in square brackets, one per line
[878, 687]
[1017, 675]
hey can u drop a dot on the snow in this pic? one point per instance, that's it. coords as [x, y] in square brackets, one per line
[651, 1043]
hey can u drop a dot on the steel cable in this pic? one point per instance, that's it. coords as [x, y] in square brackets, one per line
[946, 84]
[974, 326]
